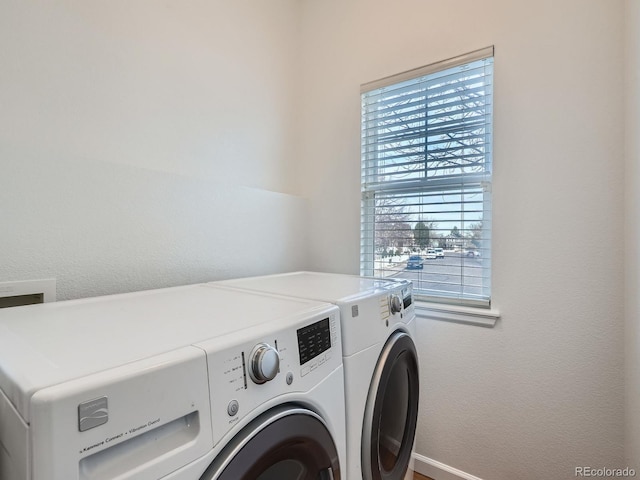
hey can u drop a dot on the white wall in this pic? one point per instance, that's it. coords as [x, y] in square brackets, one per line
[146, 143]
[543, 391]
[632, 234]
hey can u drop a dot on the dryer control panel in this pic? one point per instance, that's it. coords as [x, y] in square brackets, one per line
[370, 316]
[251, 369]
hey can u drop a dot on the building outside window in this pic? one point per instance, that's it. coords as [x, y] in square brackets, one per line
[426, 181]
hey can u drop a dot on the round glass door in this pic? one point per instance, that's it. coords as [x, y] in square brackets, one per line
[392, 411]
[286, 443]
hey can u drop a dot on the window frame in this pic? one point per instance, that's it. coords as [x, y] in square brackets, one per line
[368, 197]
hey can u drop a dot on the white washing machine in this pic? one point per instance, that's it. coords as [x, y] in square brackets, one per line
[188, 383]
[380, 364]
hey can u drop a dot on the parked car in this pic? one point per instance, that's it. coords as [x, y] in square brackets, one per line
[473, 253]
[415, 261]
[439, 252]
[431, 254]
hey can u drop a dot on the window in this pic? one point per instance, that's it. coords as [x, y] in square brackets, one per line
[426, 179]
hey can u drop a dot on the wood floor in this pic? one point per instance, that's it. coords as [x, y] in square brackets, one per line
[417, 476]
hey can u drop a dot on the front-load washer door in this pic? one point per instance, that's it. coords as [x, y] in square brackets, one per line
[391, 413]
[286, 443]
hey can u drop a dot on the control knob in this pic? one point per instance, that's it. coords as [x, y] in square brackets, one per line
[264, 363]
[396, 304]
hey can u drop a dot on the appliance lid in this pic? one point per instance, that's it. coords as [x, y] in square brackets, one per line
[47, 344]
[326, 287]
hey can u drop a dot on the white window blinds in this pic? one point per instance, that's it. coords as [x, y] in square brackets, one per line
[426, 179]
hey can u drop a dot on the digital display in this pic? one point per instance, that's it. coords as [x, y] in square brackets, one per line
[313, 340]
[407, 301]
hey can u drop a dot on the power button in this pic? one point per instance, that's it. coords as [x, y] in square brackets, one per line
[233, 407]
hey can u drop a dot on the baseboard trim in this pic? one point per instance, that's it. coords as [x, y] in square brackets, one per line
[439, 471]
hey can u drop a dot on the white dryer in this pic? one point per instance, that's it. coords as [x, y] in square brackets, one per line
[380, 364]
[186, 383]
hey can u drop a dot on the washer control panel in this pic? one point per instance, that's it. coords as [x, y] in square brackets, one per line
[314, 342]
[264, 363]
[250, 367]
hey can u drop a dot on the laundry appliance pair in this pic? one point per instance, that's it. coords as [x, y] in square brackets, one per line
[202, 382]
[380, 364]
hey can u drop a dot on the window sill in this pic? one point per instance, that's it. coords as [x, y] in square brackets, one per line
[481, 317]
